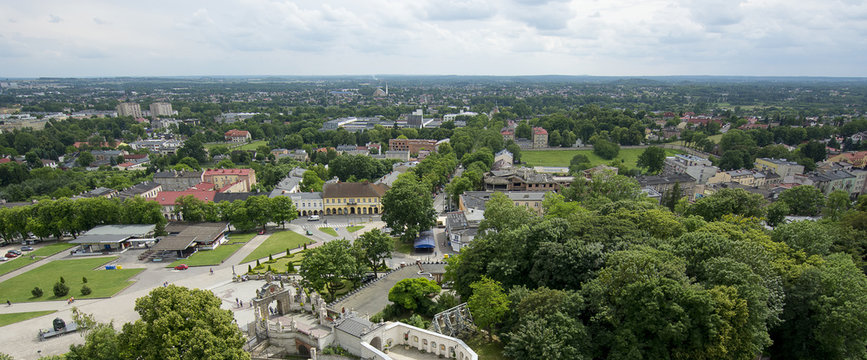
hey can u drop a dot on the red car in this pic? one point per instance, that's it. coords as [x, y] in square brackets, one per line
[182, 267]
[261, 232]
[11, 255]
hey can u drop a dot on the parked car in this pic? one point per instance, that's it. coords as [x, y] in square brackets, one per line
[3, 259]
[11, 255]
[261, 232]
[182, 267]
[308, 232]
[313, 218]
[26, 248]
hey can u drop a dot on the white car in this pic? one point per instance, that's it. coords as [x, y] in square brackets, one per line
[313, 218]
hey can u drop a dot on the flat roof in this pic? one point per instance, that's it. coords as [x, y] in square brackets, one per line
[129, 229]
[174, 243]
[100, 239]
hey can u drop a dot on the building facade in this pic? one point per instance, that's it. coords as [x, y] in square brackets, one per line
[780, 167]
[540, 137]
[237, 136]
[161, 109]
[230, 180]
[129, 109]
[345, 198]
[414, 146]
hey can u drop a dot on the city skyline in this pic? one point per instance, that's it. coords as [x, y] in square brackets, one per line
[521, 37]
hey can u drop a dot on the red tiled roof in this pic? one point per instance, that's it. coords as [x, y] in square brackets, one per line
[167, 198]
[203, 186]
[508, 132]
[539, 131]
[5, 160]
[135, 156]
[237, 133]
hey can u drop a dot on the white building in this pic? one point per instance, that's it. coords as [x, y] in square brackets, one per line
[129, 109]
[161, 109]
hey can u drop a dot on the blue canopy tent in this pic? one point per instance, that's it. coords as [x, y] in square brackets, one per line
[425, 241]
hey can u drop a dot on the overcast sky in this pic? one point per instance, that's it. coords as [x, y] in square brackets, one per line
[462, 37]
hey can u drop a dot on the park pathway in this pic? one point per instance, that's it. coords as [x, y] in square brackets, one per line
[33, 265]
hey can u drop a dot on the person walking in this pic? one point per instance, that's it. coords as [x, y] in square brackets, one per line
[8, 303]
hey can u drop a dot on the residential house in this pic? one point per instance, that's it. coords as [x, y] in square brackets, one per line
[781, 167]
[858, 159]
[174, 180]
[237, 136]
[540, 138]
[147, 189]
[231, 180]
[524, 179]
[664, 183]
[168, 201]
[476, 200]
[462, 228]
[414, 146]
[508, 134]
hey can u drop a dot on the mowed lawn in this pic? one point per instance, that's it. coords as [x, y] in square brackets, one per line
[232, 146]
[277, 243]
[328, 231]
[103, 283]
[354, 228]
[218, 255]
[38, 254]
[6, 319]
[279, 265]
[564, 157]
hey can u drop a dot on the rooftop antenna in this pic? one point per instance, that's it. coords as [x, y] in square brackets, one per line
[386, 88]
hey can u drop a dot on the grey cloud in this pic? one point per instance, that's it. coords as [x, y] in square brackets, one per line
[714, 14]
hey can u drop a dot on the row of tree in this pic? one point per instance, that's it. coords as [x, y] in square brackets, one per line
[67, 216]
[255, 211]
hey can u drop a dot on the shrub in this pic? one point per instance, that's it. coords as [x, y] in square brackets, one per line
[249, 269]
[83, 280]
[270, 258]
[62, 281]
[37, 292]
[290, 267]
[305, 246]
[60, 289]
[85, 290]
[270, 269]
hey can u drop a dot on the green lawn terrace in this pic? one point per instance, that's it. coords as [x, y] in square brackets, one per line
[102, 282]
[562, 158]
[278, 243]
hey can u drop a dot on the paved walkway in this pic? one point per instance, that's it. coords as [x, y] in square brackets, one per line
[373, 298]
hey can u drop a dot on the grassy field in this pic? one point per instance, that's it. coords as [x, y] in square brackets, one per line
[218, 255]
[564, 157]
[233, 146]
[38, 254]
[6, 319]
[328, 231]
[104, 283]
[354, 228]
[278, 243]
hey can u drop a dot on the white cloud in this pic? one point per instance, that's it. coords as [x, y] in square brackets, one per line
[625, 37]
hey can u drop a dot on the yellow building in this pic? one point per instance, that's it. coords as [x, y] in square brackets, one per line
[344, 198]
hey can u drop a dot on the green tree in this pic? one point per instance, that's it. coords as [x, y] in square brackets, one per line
[488, 304]
[836, 205]
[190, 208]
[181, 323]
[501, 213]
[100, 339]
[323, 267]
[652, 159]
[408, 207]
[375, 248]
[282, 210]
[825, 309]
[605, 149]
[311, 182]
[728, 201]
[414, 294]
[193, 148]
[810, 236]
[85, 159]
[258, 210]
[803, 200]
[776, 213]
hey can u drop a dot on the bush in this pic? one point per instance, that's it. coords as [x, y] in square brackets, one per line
[606, 149]
[290, 267]
[249, 269]
[62, 281]
[270, 270]
[85, 290]
[270, 258]
[60, 289]
[37, 292]
[83, 280]
[305, 246]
